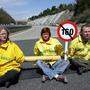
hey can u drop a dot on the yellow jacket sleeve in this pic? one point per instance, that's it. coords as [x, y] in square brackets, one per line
[71, 50]
[58, 49]
[19, 56]
[36, 50]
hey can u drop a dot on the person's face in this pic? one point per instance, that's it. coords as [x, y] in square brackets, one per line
[3, 36]
[86, 33]
[45, 36]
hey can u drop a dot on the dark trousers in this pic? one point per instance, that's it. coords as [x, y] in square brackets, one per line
[77, 65]
[11, 77]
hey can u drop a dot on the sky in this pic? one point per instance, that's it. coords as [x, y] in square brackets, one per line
[23, 9]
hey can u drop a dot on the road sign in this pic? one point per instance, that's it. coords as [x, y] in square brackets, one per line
[67, 31]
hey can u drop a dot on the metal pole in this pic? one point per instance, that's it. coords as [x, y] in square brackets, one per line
[66, 50]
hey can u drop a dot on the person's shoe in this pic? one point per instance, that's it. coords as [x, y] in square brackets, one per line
[45, 78]
[79, 71]
[62, 78]
[65, 80]
[7, 84]
[2, 84]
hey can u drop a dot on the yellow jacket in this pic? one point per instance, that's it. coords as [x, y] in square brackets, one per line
[11, 57]
[52, 47]
[80, 50]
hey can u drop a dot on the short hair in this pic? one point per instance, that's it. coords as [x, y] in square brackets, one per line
[46, 29]
[85, 25]
[6, 29]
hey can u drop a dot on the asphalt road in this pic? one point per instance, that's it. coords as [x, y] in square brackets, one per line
[30, 79]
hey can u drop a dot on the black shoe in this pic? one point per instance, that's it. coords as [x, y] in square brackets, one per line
[2, 84]
[7, 84]
[79, 71]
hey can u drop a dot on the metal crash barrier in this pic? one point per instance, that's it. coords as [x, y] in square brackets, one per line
[44, 58]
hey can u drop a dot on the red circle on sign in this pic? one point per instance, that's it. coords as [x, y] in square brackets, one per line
[67, 22]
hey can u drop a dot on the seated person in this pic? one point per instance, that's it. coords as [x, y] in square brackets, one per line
[11, 58]
[80, 47]
[47, 46]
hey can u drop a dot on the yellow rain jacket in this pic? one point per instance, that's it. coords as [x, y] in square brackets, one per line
[11, 57]
[50, 48]
[80, 50]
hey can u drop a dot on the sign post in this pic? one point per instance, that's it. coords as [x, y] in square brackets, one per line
[66, 50]
[67, 31]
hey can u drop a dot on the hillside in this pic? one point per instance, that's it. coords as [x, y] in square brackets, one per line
[81, 9]
[5, 18]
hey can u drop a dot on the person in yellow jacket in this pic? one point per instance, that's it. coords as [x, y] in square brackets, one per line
[47, 46]
[80, 47]
[11, 58]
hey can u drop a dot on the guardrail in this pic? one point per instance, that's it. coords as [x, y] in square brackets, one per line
[16, 28]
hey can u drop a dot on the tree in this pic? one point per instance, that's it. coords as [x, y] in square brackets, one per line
[5, 18]
[62, 7]
[54, 10]
[81, 5]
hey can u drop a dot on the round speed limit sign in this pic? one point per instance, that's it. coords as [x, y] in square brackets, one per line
[67, 31]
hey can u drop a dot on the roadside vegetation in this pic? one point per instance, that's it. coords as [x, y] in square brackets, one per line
[81, 10]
